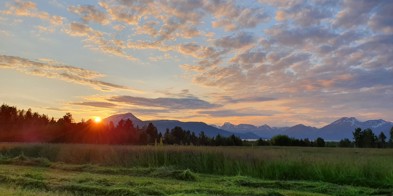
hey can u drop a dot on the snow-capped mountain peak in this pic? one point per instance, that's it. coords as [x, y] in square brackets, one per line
[346, 120]
[375, 123]
[228, 125]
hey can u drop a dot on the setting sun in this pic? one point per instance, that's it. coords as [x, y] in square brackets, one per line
[97, 119]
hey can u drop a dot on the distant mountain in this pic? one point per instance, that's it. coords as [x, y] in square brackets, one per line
[343, 128]
[337, 130]
[264, 131]
[242, 127]
[116, 118]
[198, 127]
[195, 127]
[301, 131]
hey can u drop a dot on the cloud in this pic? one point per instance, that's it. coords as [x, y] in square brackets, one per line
[55, 109]
[300, 36]
[198, 51]
[238, 112]
[285, 50]
[184, 93]
[144, 111]
[63, 72]
[90, 13]
[249, 58]
[232, 17]
[305, 52]
[168, 103]
[148, 28]
[223, 77]
[355, 13]
[144, 45]
[236, 41]
[98, 41]
[81, 30]
[29, 9]
[176, 19]
[98, 104]
[382, 19]
[129, 12]
[305, 14]
[229, 99]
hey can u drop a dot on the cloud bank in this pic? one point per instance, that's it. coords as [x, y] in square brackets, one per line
[168, 103]
[305, 55]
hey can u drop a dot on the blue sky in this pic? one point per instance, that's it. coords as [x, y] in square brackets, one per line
[274, 62]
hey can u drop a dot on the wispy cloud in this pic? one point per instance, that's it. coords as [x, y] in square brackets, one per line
[98, 41]
[97, 104]
[63, 72]
[29, 9]
[90, 13]
[229, 99]
[237, 112]
[169, 103]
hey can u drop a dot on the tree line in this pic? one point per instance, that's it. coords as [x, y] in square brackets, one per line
[284, 140]
[361, 139]
[367, 139]
[28, 126]
[185, 137]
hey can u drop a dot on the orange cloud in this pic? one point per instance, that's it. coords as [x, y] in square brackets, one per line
[280, 15]
[63, 72]
[29, 9]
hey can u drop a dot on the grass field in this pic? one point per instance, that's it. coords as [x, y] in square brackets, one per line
[56, 169]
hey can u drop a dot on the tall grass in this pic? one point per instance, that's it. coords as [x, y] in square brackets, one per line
[361, 167]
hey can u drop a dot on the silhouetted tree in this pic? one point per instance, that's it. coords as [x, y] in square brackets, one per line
[152, 133]
[168, 137]
[358, 137]
[381, 140]
[203, 140]
[369, 139]
[68, 118]
[234, 141]
[219, 140]
[391, 137]
[178, 135]
[143, 138]
[319, 142]
[365, 138]
[261, 142]
[281, 140]
[193, 139]
[345, 143]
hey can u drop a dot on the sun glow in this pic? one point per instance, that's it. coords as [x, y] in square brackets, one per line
[97, 119]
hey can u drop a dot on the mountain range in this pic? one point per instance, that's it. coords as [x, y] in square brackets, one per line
[337, 130]
[196, 127]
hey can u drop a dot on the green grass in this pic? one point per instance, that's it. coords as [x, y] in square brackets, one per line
[192, 170]
[61, 179]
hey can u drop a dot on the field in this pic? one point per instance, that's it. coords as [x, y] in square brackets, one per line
[60, 169]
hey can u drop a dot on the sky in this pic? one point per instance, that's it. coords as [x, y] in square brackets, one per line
[257, 62]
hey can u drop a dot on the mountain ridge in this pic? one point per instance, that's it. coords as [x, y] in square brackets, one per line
[196, 127]
[337, 130]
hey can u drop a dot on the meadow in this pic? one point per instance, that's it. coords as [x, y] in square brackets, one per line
[80, 169]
